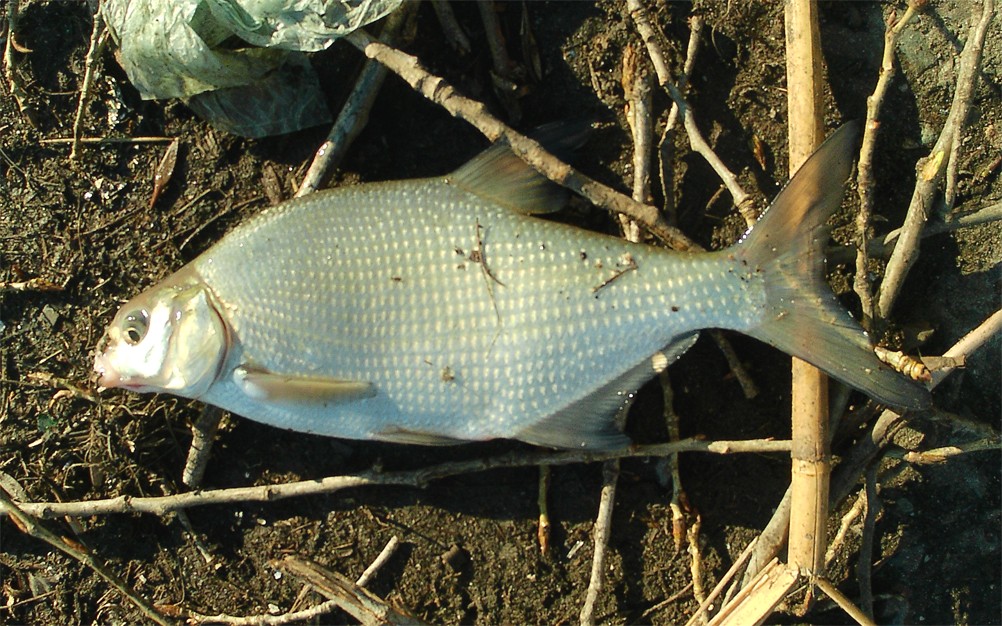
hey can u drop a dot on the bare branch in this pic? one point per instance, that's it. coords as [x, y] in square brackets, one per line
[930, 170]
[417, 478]
[437, 90]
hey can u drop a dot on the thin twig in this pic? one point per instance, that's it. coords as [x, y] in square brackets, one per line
[30, 526]
[374, 567]
[990, 213]
[501, 74]
[864, 168]
[160, 505]
[970, 343]
[883, 246]
[543, 530]
[453, 32]
[98, 37]
[832, 592]
[696, 561]
[748, 386]
[742, 200]
[847, 521]
[678, 497]
[864, 563]
[603, 527]
[439, 91]
[666, 147]
[304, 615]
[708, 601]
[360, 603]
[670, 599]
[107, 140]
[941, 454]
[203, 433]
[10, 64]
[930, 170]
[354, 114]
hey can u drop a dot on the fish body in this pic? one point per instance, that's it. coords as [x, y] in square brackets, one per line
[441, 310]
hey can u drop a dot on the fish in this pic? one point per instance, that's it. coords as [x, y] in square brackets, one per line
[450, 309]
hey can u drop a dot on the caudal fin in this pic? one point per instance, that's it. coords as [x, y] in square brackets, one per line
[804, 317]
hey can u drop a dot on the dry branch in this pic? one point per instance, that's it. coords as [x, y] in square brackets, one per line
[931, 170]
[354, 114]
[303, 615]
[864, 168]
[416, 478]
[439, 91]
[811, 455]
[603, 528]
[363, 605]
[32, 527]
[742, 200]
[98, 37]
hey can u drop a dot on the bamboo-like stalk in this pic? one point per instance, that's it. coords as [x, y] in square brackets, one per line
[811, 457]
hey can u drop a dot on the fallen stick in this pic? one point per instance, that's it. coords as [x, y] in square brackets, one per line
[811, 455]
[27, 524]
[742, 200]
[864, 167]
[98, 37]
[161, 505]
[439, 91]
[603, 527]
[931, 170]
[354, 114]
[360, 603]
[304, 615]
[107, 140]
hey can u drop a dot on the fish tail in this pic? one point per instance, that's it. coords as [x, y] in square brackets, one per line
[803, 316]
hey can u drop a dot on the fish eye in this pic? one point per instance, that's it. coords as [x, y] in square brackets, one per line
[135, 327]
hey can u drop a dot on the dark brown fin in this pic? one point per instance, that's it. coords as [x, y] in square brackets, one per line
[501, 177]
[804, 317]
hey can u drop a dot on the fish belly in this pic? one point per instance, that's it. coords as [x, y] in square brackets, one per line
[470, 320]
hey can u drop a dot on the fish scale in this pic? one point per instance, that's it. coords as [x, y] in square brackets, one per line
[398, 300]
[441, 310]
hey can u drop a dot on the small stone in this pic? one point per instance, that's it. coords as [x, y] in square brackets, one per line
[454, 557]
[50, 314]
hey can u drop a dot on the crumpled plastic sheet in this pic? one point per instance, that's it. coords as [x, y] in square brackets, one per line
[185, 49]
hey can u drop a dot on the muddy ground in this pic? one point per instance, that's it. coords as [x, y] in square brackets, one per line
[87, 229]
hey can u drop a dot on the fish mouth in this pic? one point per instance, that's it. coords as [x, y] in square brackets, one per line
[108, 377]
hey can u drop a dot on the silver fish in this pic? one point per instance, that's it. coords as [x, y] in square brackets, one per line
[441, 310]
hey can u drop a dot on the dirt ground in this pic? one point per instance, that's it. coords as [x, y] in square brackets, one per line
[86, 229]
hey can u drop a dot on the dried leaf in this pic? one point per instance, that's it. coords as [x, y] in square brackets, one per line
[164, 171]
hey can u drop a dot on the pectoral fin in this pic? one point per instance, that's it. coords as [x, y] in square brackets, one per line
[261, 384]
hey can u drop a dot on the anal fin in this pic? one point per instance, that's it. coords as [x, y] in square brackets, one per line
[396, 434]
[589, 423]
[261, 384]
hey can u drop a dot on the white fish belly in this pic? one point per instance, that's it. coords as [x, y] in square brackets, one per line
[471, 321]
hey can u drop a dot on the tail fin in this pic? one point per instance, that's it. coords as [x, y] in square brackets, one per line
[804, 317]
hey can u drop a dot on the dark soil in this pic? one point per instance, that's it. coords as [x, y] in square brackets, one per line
[86, 228]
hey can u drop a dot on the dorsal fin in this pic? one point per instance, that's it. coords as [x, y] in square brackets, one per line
[498, 175]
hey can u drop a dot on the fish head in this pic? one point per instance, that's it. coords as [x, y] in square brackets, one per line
[169, 338]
